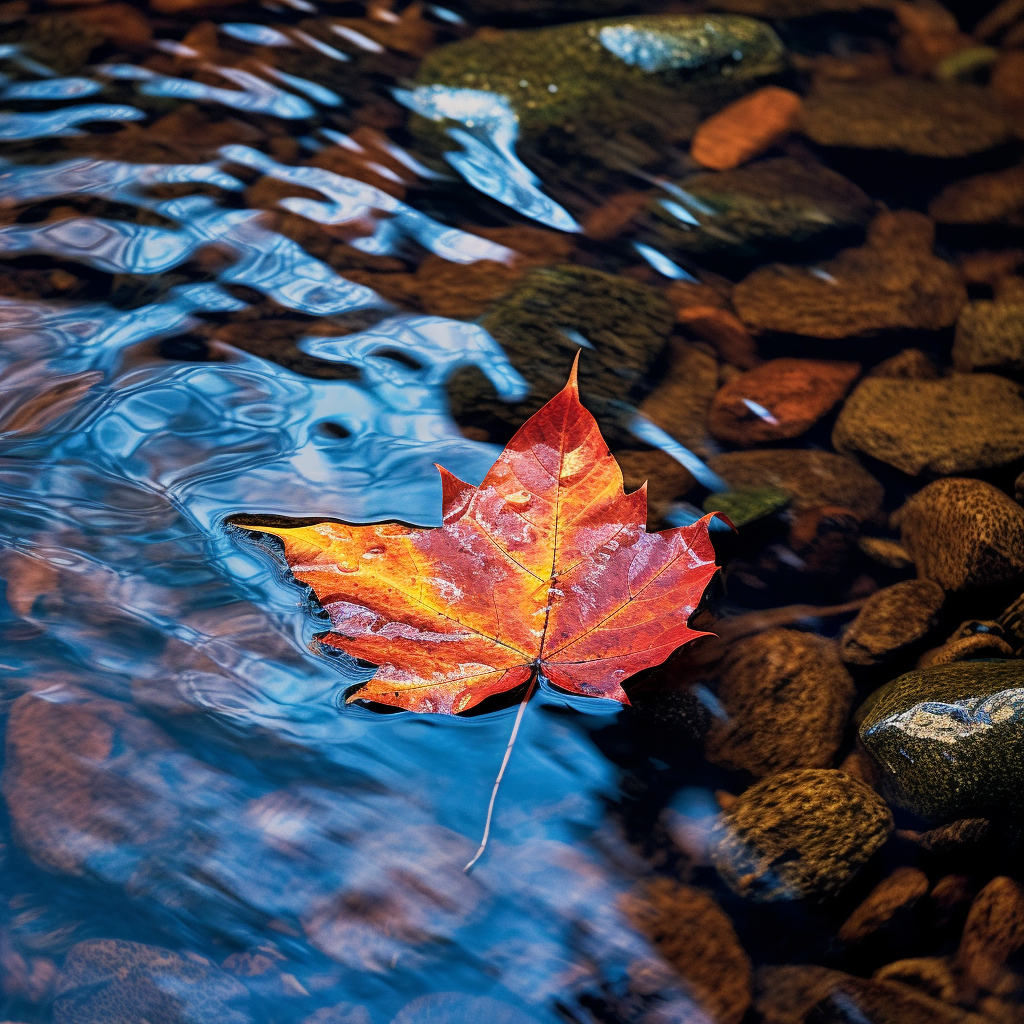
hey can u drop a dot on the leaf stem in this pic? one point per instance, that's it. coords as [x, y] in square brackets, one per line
[501, 772]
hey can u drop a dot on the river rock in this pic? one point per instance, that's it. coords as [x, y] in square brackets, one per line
[786, 993]
[803, 833]
[610, 74]
[689, 929]
[958, 424]
[625, 322]
[894, 895]
[993, 932]
[755, 209]
[892, 282]
[949, 739]
[911, 115]
[963, 533]
[893, 619]
[786, 697]
[107, 981]
[993, 198]
[515, 11]
[990, 336]
[795, 8]
[885, 1002]
[795, 392]
[809, 476]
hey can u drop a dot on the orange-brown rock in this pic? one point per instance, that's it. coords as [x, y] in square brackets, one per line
[723, 330]
[614, 215]
[894, 894]
[121, 24]
[993, 932]
[746, 128]
[796, 393]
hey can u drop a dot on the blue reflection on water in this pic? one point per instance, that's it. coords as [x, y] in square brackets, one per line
[488, 160]
[57, 123]
[51, 89]
[259, 35]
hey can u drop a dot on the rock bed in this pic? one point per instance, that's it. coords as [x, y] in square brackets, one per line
[835, 329]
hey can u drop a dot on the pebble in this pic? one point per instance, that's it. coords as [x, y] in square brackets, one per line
[786, 993]
[958, 424]
[857, 1000]
[949, 739]
[781, 201]
[794, 394]
[894, 895]
[892, 282]
[886, 552]
[996, 197]
[786, 698]
[934, 975]
[965, 649]
[724, 332]
[993, 932]
[893, 619]
[990, 336]
[748, 504]
[908, 364]
[910, 115]
[108, 981]
[746, 128]
[689, 929]
[803, 833]
[963, 533]
[625, 322]
[809, 476]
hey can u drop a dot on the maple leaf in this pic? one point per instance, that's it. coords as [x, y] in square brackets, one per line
[545, 569]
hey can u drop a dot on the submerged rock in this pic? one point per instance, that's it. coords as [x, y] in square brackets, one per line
[893, 619]
[922, 118]
[958, 424]
[963, 534]
[950, 739]
[809, 476]
[990, 336]
[993, 931]
[788, 396]
[892, 282]
[625, 323]
[107, 981]
[885, 1002]
[755, 209]
[690, 930]
[786, 698]
[892, 896]
[803, 833]
[993, 198]
[608, 73]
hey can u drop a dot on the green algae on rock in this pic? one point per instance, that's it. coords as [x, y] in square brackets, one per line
[601, 71]
[539, 325]
[803, 833]
[748, 504]
[950, 739]
[776, 202]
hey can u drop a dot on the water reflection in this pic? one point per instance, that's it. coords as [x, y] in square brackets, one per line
[62, 123]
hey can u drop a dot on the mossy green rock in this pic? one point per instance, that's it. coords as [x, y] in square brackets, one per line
[609, 71]
[950, 739]
[537, 324]
[767, 204]
[747, 504]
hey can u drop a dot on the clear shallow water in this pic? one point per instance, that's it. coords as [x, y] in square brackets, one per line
[211, 791]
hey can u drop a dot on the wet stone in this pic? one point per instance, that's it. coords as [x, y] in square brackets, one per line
[810, 477]
[993, 198]
[958, 424]
[892, 282]
[786, 993]
[107, 981]
[949, 739]
[911, 115]
[990, 336]
[963, 534]
[892, 896]
[793, 394]
[786, 696]
[803, 833]
[893, 619]
[755, 209]
[626, 324]
[666, 479]
[993, 932]
[884, 1002]
[691, 931]
[746, 505]
[608, 73]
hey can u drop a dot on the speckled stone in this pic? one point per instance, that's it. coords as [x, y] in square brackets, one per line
[885, 1002]
[993, 198]
[686, 58]
[803, 833]
[786, 993]
[993, 931]
[895, 893]
[990, 336]
[626, 322]
[809, 476]
[958, 424]
[963, 533]
[691, 931]
[949, 739]
[893, 619]
[787, 698]
[892, 282]
[937, 119]
[759, 207]
[107, 981]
